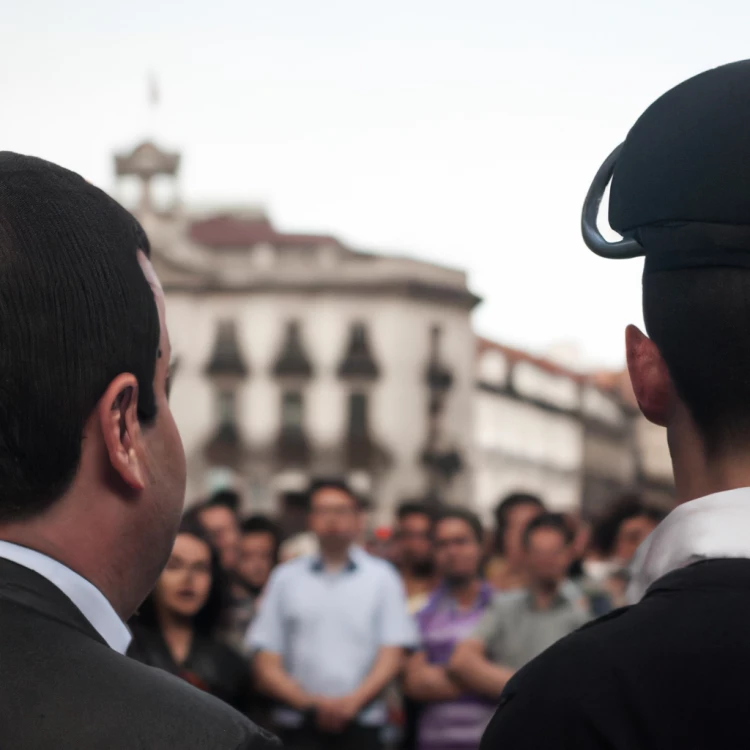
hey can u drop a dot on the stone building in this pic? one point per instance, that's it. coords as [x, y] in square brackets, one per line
[578, 440]
[297, 355]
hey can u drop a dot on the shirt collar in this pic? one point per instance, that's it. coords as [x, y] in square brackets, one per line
[560, 599]
[93, 605]
[442, 597]
[715, 526]
[317, 565]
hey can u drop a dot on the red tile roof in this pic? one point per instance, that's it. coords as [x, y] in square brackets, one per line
[228, 231]
[616, 383]
[517, 355]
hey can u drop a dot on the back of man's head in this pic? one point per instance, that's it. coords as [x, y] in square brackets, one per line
[699, 320]
[75, 311]
[84, 354]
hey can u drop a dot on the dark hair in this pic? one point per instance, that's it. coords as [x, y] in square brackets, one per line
[259, 524]
[698, 319]
[219, 500]
[209, 618]
[460, 514]
[75, 311]
[503, 510]
[414, 508]
[555, 521]
[225, 499]
[607, 528]
[332, 483]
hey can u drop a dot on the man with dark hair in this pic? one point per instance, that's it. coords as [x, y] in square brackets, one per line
[228, 498]
[414, 551]
[331, 633]
[259, 553]
[519, 626]
[506, 569]
[219, 517]
[451, 718]
[671, 670]
[92, 476]
[621, 531]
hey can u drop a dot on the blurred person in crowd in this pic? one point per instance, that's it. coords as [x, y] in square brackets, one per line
[413, 552]
[618, 535]
[331, 633]
[594, 597]
[259, 552]
[219, 517]
[616, 538]
[92, 477]
[451, 718]
[176, 627]
[506, 569]
[517, 628]
[580, 546]
[260, 538]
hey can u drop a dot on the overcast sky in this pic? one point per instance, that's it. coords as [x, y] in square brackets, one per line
[461, 132]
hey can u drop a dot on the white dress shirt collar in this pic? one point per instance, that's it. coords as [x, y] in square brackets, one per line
[714, 526]
[94, 606]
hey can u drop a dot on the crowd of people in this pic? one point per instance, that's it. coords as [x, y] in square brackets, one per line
[398, 637]
[409, 636]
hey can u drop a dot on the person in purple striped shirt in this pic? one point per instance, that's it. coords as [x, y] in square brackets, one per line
[450, 719]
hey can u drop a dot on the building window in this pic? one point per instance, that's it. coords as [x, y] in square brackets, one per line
[291, 411]
[359, 336]
[358, 361]
[226, 401]
[357, 414]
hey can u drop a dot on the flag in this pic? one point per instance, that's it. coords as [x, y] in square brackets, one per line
[153, 91]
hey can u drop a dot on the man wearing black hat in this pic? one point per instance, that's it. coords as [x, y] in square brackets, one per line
[671, 671]
[92, 477]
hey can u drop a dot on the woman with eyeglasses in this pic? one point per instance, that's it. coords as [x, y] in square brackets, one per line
[175, 628]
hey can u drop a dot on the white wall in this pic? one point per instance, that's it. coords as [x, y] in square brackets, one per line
[521, 446]
[399, 336]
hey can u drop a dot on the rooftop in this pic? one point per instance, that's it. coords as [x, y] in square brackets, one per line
[227, 231]
[613, 382]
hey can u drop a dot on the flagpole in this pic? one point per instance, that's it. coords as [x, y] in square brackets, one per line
[153, 101]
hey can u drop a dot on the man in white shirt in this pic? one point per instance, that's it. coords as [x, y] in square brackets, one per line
[331, 633]
[92, 476]
[671, 671]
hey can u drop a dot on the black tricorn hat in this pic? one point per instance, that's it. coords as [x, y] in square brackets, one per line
[680, 190]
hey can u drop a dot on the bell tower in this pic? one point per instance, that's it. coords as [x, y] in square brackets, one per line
[148, 163]
[152, 169]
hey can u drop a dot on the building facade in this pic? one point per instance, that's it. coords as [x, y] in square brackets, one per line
[298, 356]
[577, 439]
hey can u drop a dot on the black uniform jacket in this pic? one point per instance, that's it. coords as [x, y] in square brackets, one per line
[672, 672]
[62, 687]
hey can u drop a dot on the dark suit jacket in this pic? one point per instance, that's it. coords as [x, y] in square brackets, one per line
[211, 665]
[62, 687]
[671, 672]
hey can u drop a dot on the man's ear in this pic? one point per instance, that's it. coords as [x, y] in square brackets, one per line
[649, 376]
[118, 418]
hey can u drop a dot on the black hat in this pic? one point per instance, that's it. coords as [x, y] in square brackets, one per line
[681, 180]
